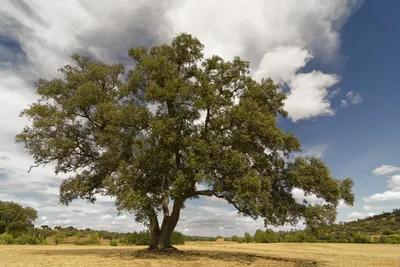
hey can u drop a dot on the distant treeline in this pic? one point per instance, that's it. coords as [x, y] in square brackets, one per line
[16, 227]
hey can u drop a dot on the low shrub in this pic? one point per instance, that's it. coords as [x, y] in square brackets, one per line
[6, 239]
[114, 243]
[177, 238]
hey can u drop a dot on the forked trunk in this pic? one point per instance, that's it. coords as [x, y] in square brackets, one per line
[161, 238]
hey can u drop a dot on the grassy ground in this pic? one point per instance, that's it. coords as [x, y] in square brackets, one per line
[204, 254]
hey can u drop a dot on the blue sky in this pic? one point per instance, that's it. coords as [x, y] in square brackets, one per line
[336, 59]
[360, 138]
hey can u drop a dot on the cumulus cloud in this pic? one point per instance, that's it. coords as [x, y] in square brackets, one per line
[299, 195]
[282, 63]
[389, 195]
[279, 38]
[385, 169]
[308, 97]
[278, 44]
[351, 98]
[394, 187]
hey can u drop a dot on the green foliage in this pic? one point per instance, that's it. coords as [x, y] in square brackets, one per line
[143, 238]
[259, 236]
[99, 115]
[26, 239]
[114, 243]
[16, 219]
[29, 240]
[177, 238]
[6, 239]
[94, 238]
[3, 226]
[234, 238]
[17, 228]
[58, 238]
[394, 239]
[361, 238]
[270, 236]
[267, 236]
[248, 238]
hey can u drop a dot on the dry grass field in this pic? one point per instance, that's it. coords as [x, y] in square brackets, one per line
[204, 254]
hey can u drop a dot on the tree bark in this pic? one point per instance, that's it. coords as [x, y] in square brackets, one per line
[161, 238]
[154, 230]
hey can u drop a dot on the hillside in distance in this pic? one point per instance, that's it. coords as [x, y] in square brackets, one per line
[386, 223]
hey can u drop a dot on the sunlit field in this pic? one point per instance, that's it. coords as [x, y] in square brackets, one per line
[204, 254]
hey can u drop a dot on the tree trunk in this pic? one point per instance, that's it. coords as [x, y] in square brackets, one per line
[161, 238]
[154, 230]
[164, 240]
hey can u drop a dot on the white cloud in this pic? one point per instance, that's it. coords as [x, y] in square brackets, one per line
[106, 217]
[278, 44]
[282, 63]
[343, 205]
[43, 218]
[394, 181]
[62, 222]
[355, 215]
[351, 98]
[372, 208]
[385, 169]
[308, 96]
[370, 214]
[385, 196]
[186, 230]
[394, 187]
[313, 151]
[201, 186]
[312, 199]
[122, 217]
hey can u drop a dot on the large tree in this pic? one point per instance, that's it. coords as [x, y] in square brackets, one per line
[150, 135]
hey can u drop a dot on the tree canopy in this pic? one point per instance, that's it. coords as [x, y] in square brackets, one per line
[16, 219]
[148, 136]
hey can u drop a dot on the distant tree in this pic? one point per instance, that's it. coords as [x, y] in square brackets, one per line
[270, 236]
[15, 218]
[175, 120]
[45, 227]
[94, 238]
[177, 238]
[58, 238]
[260, 236]
[234, 238]
[248, 238]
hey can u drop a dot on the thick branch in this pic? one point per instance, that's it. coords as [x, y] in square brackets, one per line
[165, 207]
[154, 221]
[208, 193]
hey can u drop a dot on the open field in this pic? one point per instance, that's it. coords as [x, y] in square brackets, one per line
[204, 254]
